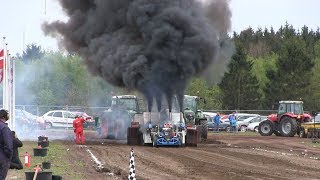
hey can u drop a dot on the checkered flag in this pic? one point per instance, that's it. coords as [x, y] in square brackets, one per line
[132, 168]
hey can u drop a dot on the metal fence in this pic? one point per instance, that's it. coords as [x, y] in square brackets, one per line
[260, 112]
[40, 110]
[97, 111]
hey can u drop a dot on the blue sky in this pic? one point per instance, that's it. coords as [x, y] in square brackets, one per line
[21, 23]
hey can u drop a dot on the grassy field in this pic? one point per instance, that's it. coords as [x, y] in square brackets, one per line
[57, 154]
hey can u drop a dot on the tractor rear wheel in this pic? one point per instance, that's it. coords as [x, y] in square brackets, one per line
[288, 126]
[204, 129]
[266, 128]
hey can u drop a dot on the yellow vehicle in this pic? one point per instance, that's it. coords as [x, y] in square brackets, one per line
[310, 130]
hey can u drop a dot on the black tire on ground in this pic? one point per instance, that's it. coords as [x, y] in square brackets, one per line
[302, 134]
[266, 128]
[204, 129]
[288, 126]
[277, 133]
[199, 133]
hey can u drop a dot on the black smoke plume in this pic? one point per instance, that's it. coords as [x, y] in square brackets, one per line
[153, 46]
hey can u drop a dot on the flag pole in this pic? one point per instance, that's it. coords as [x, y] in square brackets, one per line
[8, 88]
[4, 80]
[13, 96]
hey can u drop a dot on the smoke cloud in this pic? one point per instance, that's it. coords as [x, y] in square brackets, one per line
[153, 46]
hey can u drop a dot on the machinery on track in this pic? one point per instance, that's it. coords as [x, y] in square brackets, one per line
[311, 129]
[170, 128]
[118, 117]
[287, 122]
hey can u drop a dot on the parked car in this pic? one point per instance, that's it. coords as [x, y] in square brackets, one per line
[58, 118]
[223, 126]
[243, 116]
[209, 114]
[242, 124]
[254, 125]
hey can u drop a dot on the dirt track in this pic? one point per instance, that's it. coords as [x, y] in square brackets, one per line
[223, 156]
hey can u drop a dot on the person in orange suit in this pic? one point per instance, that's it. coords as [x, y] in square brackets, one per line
[78, 129]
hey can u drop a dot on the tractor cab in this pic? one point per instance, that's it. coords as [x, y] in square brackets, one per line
[292, 107]
[191, 103]
[130, 103]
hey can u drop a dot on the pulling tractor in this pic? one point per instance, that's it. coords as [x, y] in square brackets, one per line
[194, 117]
[118, 117]
[287, 122]
[169, 128]
[158, 129]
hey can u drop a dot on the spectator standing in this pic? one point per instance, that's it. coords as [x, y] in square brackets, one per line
[233, 122]
[6, 147]
[15, 161]
[216, 120]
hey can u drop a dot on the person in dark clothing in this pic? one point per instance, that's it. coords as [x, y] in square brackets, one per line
[6, 141]
[15, 161]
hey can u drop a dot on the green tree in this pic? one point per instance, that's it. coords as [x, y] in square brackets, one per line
[32, 52]
[260, 66]
[59, 80]
[312, 101]
[239, 85]
[211, 95]
[292, 75]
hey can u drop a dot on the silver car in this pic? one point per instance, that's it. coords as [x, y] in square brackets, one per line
[243, 124]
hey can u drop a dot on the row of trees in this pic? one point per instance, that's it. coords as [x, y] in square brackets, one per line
[267, 66]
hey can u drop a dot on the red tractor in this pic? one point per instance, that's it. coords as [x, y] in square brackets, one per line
[287, 122]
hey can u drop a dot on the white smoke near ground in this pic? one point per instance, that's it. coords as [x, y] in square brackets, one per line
[154, 47]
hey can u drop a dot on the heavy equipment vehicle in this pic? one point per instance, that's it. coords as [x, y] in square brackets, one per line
[167, 128]
[287, 121]
[162, 129]
[118, 117]
[311, 129]
[193, 116]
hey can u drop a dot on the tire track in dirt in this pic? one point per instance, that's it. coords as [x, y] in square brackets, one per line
[151, 163]
[230, 157]
[201, 163]
[260, 163]
[229, 166]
